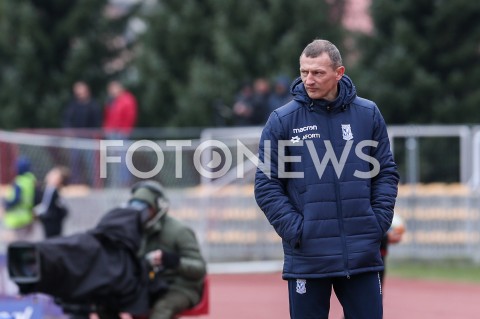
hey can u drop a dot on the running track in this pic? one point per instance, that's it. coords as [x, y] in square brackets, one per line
[264, 296]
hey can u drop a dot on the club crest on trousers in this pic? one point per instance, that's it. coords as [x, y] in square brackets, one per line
[301, 286]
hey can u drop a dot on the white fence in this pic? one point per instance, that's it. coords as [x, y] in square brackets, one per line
[413, 132]
[443, 220]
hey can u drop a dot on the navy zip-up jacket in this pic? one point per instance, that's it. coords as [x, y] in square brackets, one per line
[327, 183]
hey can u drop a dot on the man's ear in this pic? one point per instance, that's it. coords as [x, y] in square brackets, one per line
[340, 72]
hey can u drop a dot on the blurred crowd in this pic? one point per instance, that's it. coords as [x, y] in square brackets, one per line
[252, 105]
[255, 101]
[117, 118]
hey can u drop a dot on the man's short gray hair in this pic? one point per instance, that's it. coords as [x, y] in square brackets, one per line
[318, 47]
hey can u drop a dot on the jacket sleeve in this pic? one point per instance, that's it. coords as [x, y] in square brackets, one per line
[192, 265]
[270, 189]
[385, 183]
[49, 197]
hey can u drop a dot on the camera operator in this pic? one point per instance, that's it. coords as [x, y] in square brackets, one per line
[136, 259]
[172, 251]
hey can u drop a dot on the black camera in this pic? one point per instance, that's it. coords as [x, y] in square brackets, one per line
[96, 271]
[24, 269]
[23, 263]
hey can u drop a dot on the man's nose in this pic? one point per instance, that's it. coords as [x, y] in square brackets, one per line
[309, 78]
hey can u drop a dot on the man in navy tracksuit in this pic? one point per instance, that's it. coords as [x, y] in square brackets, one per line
[327, 183]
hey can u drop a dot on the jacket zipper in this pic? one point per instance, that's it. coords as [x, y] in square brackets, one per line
[339, 207]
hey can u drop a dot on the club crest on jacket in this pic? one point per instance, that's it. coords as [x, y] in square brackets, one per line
[347, 132]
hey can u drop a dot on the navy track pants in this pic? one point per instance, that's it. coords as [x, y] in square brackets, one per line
[360, 296]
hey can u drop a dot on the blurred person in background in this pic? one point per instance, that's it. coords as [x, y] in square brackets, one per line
[120, 112]
[260, 100]
[52, 209]
[252, 103]
[119, 121]
[82, 112]
[20, 199]
[82, 115]
[281, 93]
[331, 222]
[242, 108]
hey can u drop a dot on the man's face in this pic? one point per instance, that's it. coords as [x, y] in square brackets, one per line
[81, 91]
[114, 89]
[319, 77]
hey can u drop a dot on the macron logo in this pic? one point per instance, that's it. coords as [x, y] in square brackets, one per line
[305, 129]
[307, 136]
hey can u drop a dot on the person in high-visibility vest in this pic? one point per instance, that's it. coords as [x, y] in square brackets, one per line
[20, 198]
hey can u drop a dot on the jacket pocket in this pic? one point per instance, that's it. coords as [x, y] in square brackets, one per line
[377, 224]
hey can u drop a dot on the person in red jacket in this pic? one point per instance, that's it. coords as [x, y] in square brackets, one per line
[121, 113]
[119, 121]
